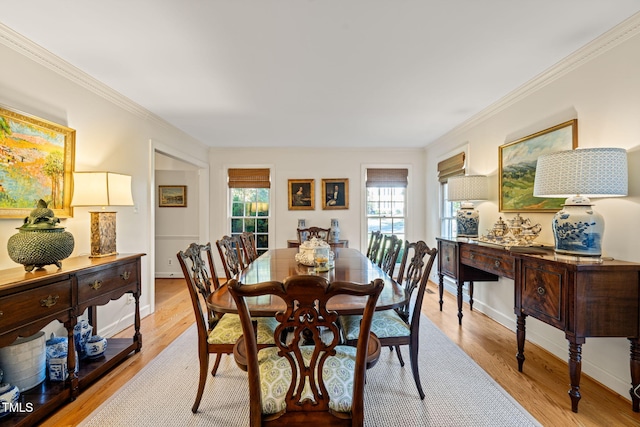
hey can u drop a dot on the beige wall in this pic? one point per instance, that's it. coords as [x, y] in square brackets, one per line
[599, 86]
[112, 134]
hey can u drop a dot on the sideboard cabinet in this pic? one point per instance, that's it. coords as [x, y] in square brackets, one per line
[29, 301]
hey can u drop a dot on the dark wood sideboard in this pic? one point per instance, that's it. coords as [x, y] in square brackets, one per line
[30, 301]
[583, 298]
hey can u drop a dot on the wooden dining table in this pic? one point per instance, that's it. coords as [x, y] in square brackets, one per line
[278, 264]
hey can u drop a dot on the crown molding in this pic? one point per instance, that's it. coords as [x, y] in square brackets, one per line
[607, 41]
[37, 53]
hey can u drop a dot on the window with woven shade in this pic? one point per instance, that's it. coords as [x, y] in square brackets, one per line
[447, 168]
[386, 200]
[249, 190]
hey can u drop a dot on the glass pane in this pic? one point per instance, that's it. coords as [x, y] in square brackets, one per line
[263, 209]
[263, 195]
[262, 225]
[398, 226]
[250, 194]
[237, 195]
[386, 226]
[385, 208]
[262, 241]
[373, 224]
[250, 209]
[373, 208]
[236, 209]
[236, 225]
[250, 225]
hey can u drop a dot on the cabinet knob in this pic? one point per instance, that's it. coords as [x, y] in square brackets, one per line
[447, 258]
[49, 301]
[125, 275]
[1, 313]
[497, 263]
[472, 255]
[96, 285]
[541, 290]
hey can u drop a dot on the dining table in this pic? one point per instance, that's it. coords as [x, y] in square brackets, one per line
[277, 264]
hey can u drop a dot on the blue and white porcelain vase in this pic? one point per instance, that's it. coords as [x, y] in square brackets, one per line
[334, 232]
[578, 229]
[468, 220]
[303, 224]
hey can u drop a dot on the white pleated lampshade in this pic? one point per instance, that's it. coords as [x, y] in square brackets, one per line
[101, 189]
[467, 187]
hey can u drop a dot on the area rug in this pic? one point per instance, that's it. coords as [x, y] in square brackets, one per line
[458, 392]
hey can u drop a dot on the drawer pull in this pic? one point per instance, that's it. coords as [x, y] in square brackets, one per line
[447, 258]
[96, 285]
[125, 275]
[1, 313]
[49, 301]
[497, 264]
[471, 255]
[541, 290]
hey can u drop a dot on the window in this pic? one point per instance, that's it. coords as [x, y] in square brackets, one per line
[386, 201]
[447, 168]
[250, 204]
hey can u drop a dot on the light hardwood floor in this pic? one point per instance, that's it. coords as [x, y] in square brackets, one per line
[541, 388]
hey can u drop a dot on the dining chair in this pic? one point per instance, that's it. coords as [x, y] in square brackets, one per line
[249, 249]
[375, 242]
[217, 332]
[230, 250]
[307, 378]
[317, 232]
[401, 326]
[391, 248]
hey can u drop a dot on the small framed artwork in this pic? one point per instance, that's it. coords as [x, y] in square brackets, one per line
[335, 193]
[517, 167]
[36, 162]
[302, 194]
[172, 196]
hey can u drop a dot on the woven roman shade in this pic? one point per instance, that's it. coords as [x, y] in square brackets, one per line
[452, 166]
[249, 178]
[387, 177]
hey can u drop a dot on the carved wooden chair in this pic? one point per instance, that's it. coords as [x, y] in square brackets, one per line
[302, 380]
[230, 249]
[401, 326]
[250, 252]
[217, 333]
[375, 243]
[391, 248]
[317, 232]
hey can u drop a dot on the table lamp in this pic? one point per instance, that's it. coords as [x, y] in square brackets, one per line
[102, 189]
[466, 188]
[580, 174]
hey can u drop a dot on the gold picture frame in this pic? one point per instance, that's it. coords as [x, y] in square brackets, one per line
[302, 194]
[517, 167]
[172, 196]
[335, 193]
[36, 162]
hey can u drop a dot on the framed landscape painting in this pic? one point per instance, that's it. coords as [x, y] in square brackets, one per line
[36, 163]
[172, 196]
[301, 194]
[517, 167]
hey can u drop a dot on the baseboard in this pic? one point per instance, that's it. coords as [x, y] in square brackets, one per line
[123, 323]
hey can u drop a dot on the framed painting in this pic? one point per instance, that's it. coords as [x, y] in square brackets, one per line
[172, 196]
[335, 193]
[517, 167]
[36, 163]
[302, 194]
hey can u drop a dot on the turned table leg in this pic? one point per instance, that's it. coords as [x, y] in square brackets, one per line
[520, 335]
[471, 295]
[575, 369]
[459, 284]
[441, 289]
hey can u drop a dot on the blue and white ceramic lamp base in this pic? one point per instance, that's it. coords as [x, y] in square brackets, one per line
[468, 220]
[578, 229]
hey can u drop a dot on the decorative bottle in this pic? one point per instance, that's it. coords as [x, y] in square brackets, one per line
[334, 233]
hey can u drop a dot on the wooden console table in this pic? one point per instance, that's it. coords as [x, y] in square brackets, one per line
[30, 301]
[338, 244]
[582, 298]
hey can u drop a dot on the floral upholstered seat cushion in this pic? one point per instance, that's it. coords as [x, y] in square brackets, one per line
[275, 378]
[385, 323]
[228, 330]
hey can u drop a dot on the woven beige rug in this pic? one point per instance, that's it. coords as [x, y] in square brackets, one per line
[458, 392]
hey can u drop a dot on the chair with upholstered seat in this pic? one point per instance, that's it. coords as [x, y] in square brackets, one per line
[308, 378]
[317, 232]
[401, 326]
[249, 250]
[375, 243]
[390, 251]
[230, 250]
[217, 333]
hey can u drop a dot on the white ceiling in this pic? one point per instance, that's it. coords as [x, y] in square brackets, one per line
[332, 73]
